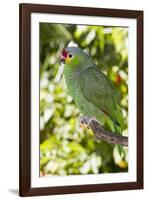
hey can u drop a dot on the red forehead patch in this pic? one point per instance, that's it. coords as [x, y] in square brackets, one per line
[64, 53]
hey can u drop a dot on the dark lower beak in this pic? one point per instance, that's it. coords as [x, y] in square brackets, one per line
[62, 59]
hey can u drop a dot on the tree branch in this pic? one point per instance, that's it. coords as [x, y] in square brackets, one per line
[102, 134]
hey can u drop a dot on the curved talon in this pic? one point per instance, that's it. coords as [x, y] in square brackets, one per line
[87, 120]
[102, 134]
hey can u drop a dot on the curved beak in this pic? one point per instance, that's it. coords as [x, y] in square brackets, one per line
[62, 59]
[63, 56]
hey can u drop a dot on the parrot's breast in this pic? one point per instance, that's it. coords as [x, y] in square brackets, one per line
[73, 82]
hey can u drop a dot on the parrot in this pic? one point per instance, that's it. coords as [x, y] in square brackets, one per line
[93, 93]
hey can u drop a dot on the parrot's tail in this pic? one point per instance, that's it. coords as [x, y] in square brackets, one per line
[119, 147]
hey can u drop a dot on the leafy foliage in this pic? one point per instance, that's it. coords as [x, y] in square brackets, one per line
[65, 147]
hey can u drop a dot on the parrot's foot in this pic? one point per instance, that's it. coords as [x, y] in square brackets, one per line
[84, 120]
[101, 134]
[84, 126]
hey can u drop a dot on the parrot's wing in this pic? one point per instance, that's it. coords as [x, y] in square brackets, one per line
[99, 91]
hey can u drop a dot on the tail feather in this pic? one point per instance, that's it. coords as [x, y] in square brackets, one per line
[119, 147]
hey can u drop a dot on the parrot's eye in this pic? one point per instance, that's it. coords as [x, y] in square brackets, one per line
[70, 55]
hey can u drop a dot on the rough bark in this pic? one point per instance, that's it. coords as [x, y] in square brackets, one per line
[101, 134]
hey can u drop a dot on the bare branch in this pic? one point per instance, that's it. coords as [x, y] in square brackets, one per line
[102, 134]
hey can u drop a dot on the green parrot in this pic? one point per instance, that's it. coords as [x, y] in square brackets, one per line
[92, 91]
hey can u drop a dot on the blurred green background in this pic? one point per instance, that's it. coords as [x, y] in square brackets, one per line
[65, 147]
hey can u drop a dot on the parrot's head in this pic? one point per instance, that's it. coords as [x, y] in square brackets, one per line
[72, 56]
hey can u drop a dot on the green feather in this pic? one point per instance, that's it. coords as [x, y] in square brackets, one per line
[93, 92]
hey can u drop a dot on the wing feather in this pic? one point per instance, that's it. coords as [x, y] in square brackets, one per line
[98, 89]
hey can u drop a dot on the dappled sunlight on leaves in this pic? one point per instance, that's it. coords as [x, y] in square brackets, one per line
[65, 147]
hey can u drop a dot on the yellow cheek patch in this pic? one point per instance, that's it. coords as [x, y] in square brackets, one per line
[67, 60]
[74, 61]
